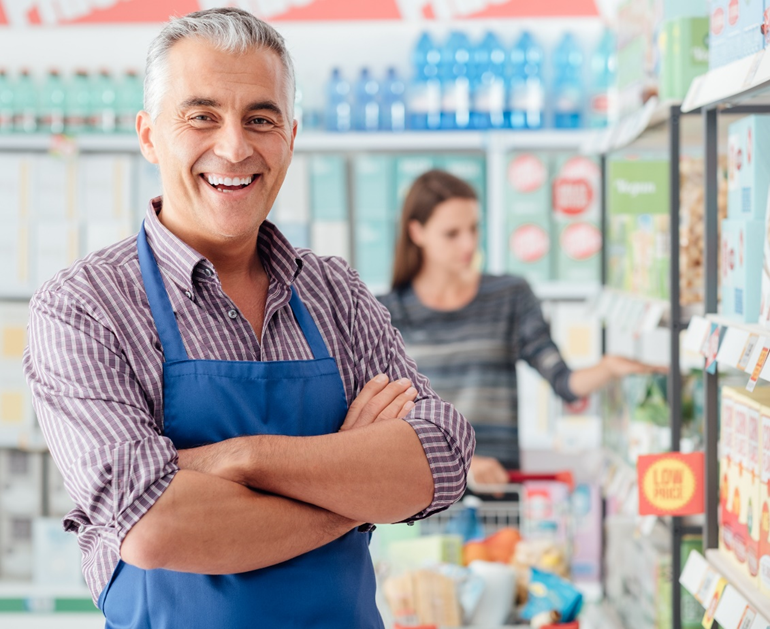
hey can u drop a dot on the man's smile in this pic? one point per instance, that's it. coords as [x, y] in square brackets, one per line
[229, 183]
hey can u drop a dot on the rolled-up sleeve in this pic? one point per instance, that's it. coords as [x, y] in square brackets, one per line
[96, 421]
[446, 436]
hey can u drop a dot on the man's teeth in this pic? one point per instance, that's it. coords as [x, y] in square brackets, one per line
[215, 180]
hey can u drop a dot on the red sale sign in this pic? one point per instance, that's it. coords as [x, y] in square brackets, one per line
[19, 13]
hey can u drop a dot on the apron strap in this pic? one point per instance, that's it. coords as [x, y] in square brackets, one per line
[160, 305]
[308, 326]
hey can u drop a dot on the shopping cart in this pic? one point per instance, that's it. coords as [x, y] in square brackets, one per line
[513, 505]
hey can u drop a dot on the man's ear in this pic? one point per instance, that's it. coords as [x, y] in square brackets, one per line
[144, 129]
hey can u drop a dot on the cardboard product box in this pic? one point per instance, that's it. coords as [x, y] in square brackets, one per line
[104, 187]
[684, 44]
[741, 268]
[544, 510]
[639, 22]
[427, 550]
[735, 30]
[726, 458]
[408, 168]
[328, 188]
[16, 549]
[56, 555]
[21, 480]
[576, 200]
[764, 306]
[529, 217]
[748, 168]
[374, 249]
[763, 502]
[587, 539]
[330, 238]
[54, 185]
[57, 246]
[735, 482]
[16, 280]
[374, 188]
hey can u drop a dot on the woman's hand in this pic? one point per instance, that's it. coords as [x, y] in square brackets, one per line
[620, 367]
[487, 471]
[586, 381]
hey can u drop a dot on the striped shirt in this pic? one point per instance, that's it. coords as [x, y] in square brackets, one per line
[470, 355]
[94, 364]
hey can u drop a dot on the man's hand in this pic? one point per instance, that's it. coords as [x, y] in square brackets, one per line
[380, 400]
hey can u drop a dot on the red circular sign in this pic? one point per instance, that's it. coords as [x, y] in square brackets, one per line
[529, 243]
[733, 12]
[572, 197]
[718, 21]
[581, 241]
[527, 173]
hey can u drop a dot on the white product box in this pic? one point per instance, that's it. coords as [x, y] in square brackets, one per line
[331, 238]
[54, 188]
[14, 259]
[56, 248]
[293, 202]
[537, 407]
[100, 234]
[16, 556]
[577, 332]
[59, 501]
[56, 555]
[21, 482]
[104, 187]
[14, 183]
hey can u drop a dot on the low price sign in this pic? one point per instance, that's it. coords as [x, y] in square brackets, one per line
[671, 484]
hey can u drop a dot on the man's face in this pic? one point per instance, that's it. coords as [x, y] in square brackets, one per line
[223, 140]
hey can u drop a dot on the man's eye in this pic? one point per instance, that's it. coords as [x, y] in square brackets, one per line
[202, 117]
[260, 122]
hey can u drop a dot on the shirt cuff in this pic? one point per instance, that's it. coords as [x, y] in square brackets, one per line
[446, 466]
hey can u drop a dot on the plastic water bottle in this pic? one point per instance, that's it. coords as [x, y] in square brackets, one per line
[526, 92]
[424, 110]
[488, 84]
[129, 101]
[568, 84]
[52, 96]
[25, 104]
[77, 113]
[366, 106]
[602, 85]
[393, 109]
[6, 102]
[338, 114]
[454, 71]
[104, 99]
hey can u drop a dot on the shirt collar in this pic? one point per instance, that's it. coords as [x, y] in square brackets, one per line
[180, 261]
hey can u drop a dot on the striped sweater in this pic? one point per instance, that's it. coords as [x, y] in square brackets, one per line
[470, 355]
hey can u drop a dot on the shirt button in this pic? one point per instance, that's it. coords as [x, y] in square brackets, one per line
[189, 294]
[207, 271]
[233, 314]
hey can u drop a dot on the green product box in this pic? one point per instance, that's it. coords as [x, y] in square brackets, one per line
[427, 550]
[408, 168]
[328, 188]
[638, 186]
[471, 169]
[529, 216]
[648, 257]
[618, 259]
[374, 248]
[684, 55]
[575, 202]
[692, 610]
[375, 188]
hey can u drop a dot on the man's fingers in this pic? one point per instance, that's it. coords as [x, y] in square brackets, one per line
[375, 406]
[370, 390]
[396, 407]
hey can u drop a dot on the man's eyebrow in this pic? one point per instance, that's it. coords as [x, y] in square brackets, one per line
[263, 105]
[197, 101]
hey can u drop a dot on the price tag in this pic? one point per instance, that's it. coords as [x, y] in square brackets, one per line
[733, 612]
[713, 602]
[652, 316]
[733, 346]
[712, 347]
[757, 361]
[696, 333]
[748, 350]
[693, 573]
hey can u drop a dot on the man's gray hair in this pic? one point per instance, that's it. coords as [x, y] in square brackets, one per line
[227, 29]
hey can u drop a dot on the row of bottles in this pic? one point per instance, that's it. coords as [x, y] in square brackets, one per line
[485, 86]
[82, 103]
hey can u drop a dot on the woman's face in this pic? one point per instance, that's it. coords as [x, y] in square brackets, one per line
[450, 237]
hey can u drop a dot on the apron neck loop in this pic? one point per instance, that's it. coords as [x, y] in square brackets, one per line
[160, 305]
[308, 326]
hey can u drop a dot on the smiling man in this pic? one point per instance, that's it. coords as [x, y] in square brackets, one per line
[229, 412]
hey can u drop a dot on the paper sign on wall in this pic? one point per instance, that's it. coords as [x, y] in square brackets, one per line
[671, 484]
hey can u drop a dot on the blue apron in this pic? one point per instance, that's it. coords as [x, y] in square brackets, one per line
[332, 587]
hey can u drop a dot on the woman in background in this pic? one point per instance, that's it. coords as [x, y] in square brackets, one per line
[466, 330]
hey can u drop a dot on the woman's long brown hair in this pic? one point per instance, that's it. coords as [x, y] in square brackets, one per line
[428, 191]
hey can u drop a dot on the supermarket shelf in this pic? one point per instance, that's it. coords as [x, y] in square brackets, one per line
[752, 328]
[315, 141]
[20, 597]
[755, 598]
[565, 291]
[630, 312]
[733, 83]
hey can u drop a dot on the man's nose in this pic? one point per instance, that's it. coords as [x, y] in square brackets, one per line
[233, 143]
